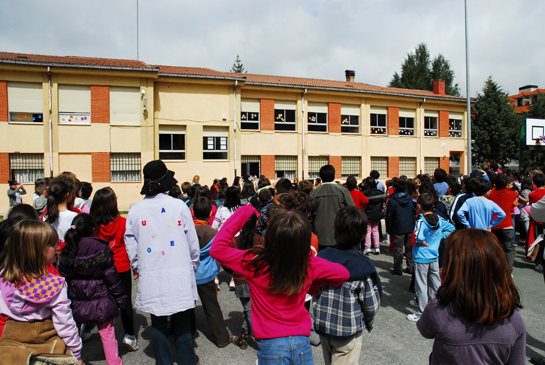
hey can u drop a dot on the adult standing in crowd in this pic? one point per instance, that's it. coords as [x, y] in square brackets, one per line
[163, 247]
[14, 189]
[327, 199]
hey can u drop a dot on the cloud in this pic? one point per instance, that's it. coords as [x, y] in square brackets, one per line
[318, 38]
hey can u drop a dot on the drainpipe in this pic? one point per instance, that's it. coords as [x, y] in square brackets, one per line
[50, 126]
[303, 117]
[235, 123]
[421, 134]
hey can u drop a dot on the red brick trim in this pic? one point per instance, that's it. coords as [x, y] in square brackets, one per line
[4, 117]
[101, 166]
[393, 167]
[444, 163]
[4, 168]
[268, 167]
[334, 117]
[266, 108]
[393, 121]
[439, 87]
[100, 105]
[443, 123]
[336, 162]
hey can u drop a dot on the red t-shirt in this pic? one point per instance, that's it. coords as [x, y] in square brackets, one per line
[505, 199]
[114, 232]
[360, 200]
[536, 195]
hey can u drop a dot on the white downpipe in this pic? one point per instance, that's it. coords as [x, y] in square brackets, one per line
[50, 126]
[303, 117]
[235, 122]
[421, 134]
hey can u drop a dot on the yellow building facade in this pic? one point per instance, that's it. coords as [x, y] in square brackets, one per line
[104, 119]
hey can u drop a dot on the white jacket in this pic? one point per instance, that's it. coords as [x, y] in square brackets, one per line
[537, 211]
[163, 247]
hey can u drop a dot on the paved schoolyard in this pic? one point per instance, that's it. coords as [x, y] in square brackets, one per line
[394, 339]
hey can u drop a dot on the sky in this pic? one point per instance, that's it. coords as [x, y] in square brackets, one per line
[316, 39]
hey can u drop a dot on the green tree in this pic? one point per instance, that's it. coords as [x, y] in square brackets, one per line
[238, 67]
[534, 156]
[495, 127]
[418, 72]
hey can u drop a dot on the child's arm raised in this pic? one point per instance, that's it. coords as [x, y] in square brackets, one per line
[221, 247]
[326, 273]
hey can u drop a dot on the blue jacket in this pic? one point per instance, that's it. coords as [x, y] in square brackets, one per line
[429, 228]
[400, 213]
[208, 269]
[478, 213]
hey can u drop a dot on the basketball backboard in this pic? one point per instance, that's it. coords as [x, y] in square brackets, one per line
[535, 132]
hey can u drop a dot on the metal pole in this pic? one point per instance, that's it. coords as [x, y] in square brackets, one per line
[137, 50]
[469, 164]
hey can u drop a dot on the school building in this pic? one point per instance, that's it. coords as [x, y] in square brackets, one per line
[104, 119]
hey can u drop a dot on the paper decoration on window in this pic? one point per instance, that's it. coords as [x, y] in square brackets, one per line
[75, 118]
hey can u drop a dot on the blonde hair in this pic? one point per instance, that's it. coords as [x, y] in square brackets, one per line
[196, 179]
[25, 257]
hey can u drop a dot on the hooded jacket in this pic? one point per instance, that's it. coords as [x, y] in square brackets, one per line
[374, 209]
[114, 232]
[429, 228]
[400, 213]
[38, 299]
[94, 285]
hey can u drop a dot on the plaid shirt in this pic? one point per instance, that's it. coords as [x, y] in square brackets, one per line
[343, 311]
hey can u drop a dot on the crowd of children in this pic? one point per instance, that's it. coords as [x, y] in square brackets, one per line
[285, 246]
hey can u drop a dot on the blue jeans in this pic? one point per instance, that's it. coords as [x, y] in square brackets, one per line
[182, 337]
[294, 350]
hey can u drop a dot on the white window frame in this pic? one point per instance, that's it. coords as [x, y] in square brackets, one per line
[222, 140]
[171, 133]
[250, 108]
[453, 118]
[23, 114]
[281, 107]
[431, 132]
[313, 121]
[375, 113]
[347, 122]
[405, 115]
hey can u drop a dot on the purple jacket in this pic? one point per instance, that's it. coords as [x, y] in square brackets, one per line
[94, 285]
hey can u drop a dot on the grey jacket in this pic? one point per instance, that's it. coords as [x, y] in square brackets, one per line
[326, 202]
[12, 194]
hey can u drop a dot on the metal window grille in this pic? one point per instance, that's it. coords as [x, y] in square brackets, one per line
[285, 167]
[407, 166]
[351, 166]
[125, 167]
[315, 163]
[250, 165]
[430, 164]
[380, 164]
[26, 167]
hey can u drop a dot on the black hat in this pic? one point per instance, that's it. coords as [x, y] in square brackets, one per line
[157, 178]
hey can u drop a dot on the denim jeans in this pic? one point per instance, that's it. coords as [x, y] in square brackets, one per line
[182, 336]
[293, 350]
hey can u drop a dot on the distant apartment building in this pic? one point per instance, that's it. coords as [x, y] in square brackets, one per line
[104, 119]
[525, 98]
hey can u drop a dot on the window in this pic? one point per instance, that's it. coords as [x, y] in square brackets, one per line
[317, 117]
[378, 120]
[351, 166]
[285, 167]
[249, 117]
[430, 164]
[26, 167]
[284, 116]
[380, 164]
[455, 125]
[171, 143]
[125, 106]
[215, 148]
[407, 166]
[125, 167]
[25, 102]
[74, 104]
[250, 165]
[520, 102]
[315, 163]
[350, 118]
[406, 122]
[430, 126]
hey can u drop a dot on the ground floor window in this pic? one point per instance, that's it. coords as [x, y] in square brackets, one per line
[26, 167]
[430, 164]
[315, 163]
[407, 166]
[351, 165]
[285, 167]
[380, 164]
[125, 167]
[250, 165]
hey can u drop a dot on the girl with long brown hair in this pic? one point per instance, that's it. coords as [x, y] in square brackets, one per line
[474, 319]
[279, 274]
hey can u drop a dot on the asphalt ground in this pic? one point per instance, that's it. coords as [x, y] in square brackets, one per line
[394, 339]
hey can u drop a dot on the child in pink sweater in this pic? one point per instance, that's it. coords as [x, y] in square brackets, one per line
[279, 274]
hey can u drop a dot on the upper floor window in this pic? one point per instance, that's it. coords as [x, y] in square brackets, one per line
[125, 108]
[284, 115]
[350, 118]
[249, 117]
[317, 117]
[25, 102]
[74, 104]
[406, 122]
[172, 142]
[215, 146]
[378, 120]
[430, 126]
[455, 125]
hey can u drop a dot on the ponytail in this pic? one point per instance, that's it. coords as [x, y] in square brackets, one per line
[56, 194]
[247, 233]
[82, 226]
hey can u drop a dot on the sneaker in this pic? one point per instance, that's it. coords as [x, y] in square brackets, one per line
[130, 342]
[377, 251]
[367, 251]
[217, 281]
[538, 268]
[232, 285]
[414, 302]
[413, 317]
